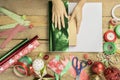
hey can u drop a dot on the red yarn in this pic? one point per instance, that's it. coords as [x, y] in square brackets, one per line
[112, 73]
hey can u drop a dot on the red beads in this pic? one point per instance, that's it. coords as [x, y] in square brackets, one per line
[46, 57]
[89, 62]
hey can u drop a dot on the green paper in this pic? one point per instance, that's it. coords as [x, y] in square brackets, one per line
[13, 49]
[67, 67]
[58, 39]
[57, 76]
[57, 57]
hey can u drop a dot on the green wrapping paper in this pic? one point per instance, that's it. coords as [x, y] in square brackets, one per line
[58, 39]
[13, 49]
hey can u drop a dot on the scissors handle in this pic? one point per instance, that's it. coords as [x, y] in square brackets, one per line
[83, 64]
[76, 62]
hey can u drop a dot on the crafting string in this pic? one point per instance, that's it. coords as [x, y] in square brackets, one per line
[17, 27]
[108, 60]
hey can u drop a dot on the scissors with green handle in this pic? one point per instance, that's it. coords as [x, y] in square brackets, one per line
[78, 70]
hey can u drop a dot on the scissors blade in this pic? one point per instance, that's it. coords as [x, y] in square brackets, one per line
[78, 77]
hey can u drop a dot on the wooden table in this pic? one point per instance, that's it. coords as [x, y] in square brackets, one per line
[40, 20]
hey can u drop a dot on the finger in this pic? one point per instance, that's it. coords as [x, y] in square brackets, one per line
[53, 16]
[66, 14]
[78, 24]
[63, 22]
[55, 21]
[59, 23]
[72, 17]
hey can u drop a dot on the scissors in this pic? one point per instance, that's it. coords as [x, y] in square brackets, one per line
[82, 64]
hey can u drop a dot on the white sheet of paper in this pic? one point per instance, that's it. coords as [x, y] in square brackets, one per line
[90, 36]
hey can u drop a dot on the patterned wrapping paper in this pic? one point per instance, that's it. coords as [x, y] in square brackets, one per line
[56, 66]
[22, 53]
[58, 39]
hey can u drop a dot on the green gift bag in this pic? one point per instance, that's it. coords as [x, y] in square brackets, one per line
[58, 39]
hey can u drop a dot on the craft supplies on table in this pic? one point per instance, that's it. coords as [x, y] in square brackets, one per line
[22, 51]
[78, 66]
[23, 67]
[110, 36]
[58, 39]
[89, 38]
[109, 48]
[113, 12]
[13, 49]
[117, 31]
[14, 28]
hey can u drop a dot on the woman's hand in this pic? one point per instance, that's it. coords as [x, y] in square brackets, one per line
[58, 13]
[77, 14]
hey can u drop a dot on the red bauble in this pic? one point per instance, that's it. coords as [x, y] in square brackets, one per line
[98, 67]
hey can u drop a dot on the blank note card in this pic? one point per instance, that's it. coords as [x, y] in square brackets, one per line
[89, 38]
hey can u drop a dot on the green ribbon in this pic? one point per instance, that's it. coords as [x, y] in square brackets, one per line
[58, 39]
[25, 59]
[109, 48]
[117, 31]
[13, 49]
[67, 67]
[19, 19]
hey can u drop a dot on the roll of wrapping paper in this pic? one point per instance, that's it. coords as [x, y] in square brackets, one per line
[13, 49]
[109, 48]
[58, 39]
[28, 47]
[117, 31]
[17, 51]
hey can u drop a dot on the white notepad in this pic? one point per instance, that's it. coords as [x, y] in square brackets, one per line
[89, 38]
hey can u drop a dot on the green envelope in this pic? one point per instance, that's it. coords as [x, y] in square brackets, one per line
[58, 39]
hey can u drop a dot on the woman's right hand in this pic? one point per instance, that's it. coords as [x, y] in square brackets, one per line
[58, 13]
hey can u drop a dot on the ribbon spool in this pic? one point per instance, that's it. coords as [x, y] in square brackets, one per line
[113, 22]
[117, 31]
[23, 67]
[113, 14]
[26, 60]
[110, 36]
[109, 48]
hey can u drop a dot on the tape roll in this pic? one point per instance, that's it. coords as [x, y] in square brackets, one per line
[109, 48]
[113, 22]
[110, 36]
[26, 60]
[113, 14]
[20, 69]
[117, 31]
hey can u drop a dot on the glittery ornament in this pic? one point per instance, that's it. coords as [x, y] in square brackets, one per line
[98, 67]
[112, 73]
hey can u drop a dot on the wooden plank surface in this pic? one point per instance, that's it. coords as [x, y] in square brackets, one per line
[40, 21]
